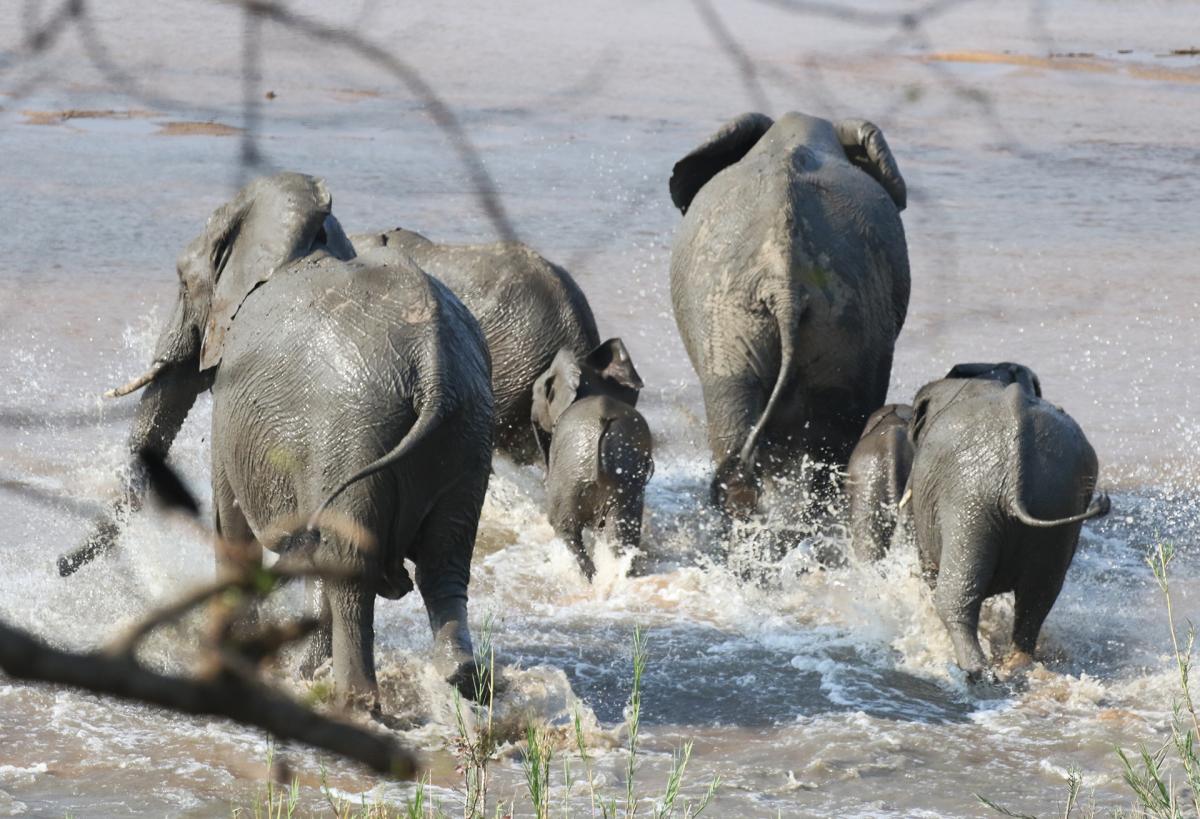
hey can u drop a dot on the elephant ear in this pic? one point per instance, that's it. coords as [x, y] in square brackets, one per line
[272, 222]
[973, 370]
[613, 368]
[903, 413]
[866, 148]
[335, 240]
[1027, 378]
[727, 146]
[1005, 372]
[554, 391]
[920, 415]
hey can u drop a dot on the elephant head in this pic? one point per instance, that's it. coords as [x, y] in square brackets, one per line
[937, 395]
[860, 141]
[270, 223]
[606, 370]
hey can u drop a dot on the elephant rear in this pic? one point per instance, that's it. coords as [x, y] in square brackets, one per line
[1001, 483]
[790, 283]
[527, 307]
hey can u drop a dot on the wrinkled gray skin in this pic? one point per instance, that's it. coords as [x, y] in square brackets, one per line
[600, 454]
[1001, 482]
[360, 384]
[790, 283]
[528, 308]
[876, 477]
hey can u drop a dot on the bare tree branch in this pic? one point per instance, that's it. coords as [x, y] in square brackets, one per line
[737, 55]
[438, 110]
[225, 694]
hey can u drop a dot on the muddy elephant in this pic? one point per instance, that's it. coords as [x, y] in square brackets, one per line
[348, 389]
[528, 308]
[790, 283]
[876, 477]
[598, 448]
[1001, 483]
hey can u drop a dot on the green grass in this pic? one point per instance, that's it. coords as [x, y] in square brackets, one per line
[476, 746]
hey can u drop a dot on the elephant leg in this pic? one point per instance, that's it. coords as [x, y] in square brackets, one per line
[564, 517]
[237, 549]
[733, 405]
[352, 616]
[442, 554]
[320, 644]
[573, 536]
[625, 517]
[964, 576]
[1039, 584]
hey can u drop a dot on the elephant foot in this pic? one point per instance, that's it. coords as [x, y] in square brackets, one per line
[983, 677]
[473, 680]
[1015, 664]
[735, 491]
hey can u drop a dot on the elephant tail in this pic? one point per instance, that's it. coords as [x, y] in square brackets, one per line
[1018, 399]
[1098, 508]
[787, 315]
[427, 421]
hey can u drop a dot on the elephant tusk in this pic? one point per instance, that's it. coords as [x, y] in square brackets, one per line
[137, 383]
[904, 500]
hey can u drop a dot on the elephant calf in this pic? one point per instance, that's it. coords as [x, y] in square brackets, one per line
[876, 477]
[1001, 484]
[597, 446]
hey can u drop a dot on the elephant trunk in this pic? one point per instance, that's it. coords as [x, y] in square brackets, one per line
[172, 384]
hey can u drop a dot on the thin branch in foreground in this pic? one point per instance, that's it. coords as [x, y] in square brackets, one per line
[434, 105]
[225, 694]
[229, 684]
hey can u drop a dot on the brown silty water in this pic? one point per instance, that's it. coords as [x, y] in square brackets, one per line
[1050, 153]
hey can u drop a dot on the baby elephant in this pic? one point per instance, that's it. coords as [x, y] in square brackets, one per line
[1001, 484]
[877, 475]
[597, 446]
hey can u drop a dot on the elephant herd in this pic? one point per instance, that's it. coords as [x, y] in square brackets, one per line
[361, 385]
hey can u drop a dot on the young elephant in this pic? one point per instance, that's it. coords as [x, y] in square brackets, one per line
[597, 446]
[876, 477]
[1001, 483]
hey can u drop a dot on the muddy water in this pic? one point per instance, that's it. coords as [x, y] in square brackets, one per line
[1052, 221]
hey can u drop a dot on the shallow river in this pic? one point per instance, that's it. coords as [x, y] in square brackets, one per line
[1052, 221]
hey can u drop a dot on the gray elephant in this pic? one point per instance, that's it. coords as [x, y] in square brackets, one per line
[790, 283]
[876, 477]
[528, 308]
[598, 449]
[351, 392]
[1001, 483]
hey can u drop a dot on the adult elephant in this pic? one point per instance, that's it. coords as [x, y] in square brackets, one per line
[347, 389]
[1001, 483]
[527, 307]
[790, 283]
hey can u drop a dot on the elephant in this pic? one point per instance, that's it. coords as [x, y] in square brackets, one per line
[876, 477]
[528, 308]
[597, 446]
[790, 283]
[349, 391]
[1001, 483]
